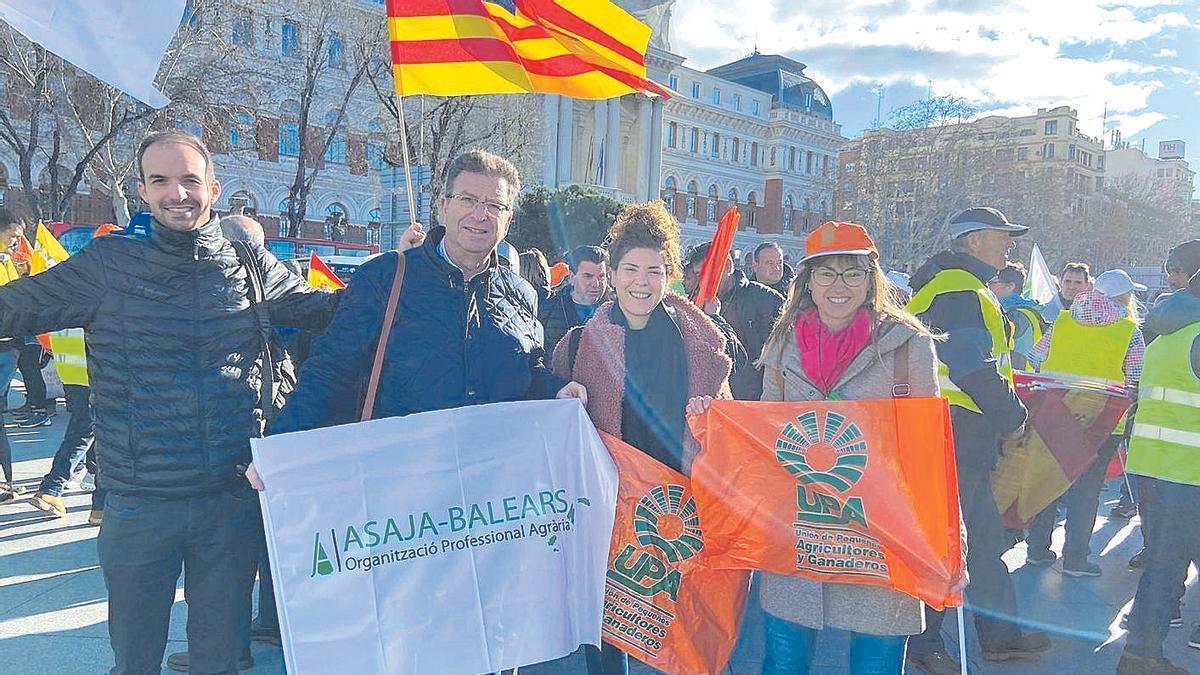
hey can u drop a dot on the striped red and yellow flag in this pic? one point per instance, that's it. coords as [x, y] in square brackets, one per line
[588, 49]
[320, 276]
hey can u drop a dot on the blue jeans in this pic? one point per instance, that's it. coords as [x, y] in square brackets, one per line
[607, 660]
[1080, 500]
[77, 440]
[8, 367]
[790, 649]
[1173, 543]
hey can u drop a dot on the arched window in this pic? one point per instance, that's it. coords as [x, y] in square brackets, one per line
[669, 194]
[751, 203]
[692, 190]
[336, 219]
[283, 217]
[788, 205]
[824, 207]
[713, 196]
[244, 201]
[732, 196]
[375, 215]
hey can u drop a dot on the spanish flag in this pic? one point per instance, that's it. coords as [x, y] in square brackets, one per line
[588, 49]
[320, 276]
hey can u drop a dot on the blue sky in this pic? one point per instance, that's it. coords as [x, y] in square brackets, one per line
[1140, 58]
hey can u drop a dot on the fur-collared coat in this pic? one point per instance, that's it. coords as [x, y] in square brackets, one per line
[600, 363]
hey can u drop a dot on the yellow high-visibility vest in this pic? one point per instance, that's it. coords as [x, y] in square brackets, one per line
[1165, 443]
[998, 327]
[1094, 352]
[70, 356]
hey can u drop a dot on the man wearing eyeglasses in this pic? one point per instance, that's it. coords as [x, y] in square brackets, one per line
[465, 330]
[950, 294]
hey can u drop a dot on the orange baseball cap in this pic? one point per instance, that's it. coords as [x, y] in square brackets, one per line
[836, 238]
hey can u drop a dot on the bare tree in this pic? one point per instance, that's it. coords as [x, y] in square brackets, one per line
[441, 128]
[325, 65]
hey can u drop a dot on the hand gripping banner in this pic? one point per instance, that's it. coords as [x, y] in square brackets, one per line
[460, 541]
[857, 492]
[663, 603]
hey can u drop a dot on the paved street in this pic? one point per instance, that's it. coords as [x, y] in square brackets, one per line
[53, 609]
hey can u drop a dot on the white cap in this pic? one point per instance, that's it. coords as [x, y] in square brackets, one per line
[1116, 282]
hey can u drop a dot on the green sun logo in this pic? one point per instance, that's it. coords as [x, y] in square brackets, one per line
[829, 450]
[665, 520]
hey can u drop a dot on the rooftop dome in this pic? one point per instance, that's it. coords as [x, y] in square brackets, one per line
[782, 78]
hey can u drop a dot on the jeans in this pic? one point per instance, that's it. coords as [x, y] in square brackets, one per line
[990, 595]
[30, 365]
[143, 546]
[790, 648]
[1174, 543]
[607, 660]
[8, 366]
[77, 440]
[1081, 501]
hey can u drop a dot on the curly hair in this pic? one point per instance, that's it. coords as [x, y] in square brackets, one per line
[647, 225]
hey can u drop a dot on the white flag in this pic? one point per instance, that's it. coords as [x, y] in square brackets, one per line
[1039, 283]
[120, 42]
[460, 541]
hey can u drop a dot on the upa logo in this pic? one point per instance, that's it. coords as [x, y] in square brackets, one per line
[668, 529]
[827, 451]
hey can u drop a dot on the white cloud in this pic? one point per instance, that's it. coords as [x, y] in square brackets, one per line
[1165, 53]
[1022, 54]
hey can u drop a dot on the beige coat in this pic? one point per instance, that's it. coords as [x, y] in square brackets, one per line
[863, 609]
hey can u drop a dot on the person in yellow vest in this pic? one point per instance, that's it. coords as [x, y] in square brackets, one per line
[1024, 314]
[70, 361]
[1098, 339]
[950, 295]
[1165, 445]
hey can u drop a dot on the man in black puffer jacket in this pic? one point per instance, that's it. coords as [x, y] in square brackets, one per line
[174, 360]
[465, 329]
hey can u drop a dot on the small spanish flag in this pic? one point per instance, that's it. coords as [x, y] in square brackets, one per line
[589, 49]
[320, 276]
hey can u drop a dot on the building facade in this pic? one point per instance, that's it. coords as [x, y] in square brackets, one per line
[1039, 169]
[1165, 177]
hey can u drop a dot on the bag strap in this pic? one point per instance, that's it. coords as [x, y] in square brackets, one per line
[900, 386]
[389, 315]
[573, 338]
[256, 295]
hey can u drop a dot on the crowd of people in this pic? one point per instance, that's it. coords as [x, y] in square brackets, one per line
[185, 362]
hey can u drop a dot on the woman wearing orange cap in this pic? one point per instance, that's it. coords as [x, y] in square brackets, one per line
[839, 337]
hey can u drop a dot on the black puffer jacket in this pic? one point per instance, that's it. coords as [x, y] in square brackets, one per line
[751, 308]
[174, 351]
[451, 344]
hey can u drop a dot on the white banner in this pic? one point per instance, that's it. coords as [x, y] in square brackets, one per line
[460, 541]
[120, 42]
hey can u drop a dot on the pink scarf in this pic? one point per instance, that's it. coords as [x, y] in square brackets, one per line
[825, 355]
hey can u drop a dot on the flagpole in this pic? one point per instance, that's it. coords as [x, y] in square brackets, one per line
[962, 641]
[412, 209]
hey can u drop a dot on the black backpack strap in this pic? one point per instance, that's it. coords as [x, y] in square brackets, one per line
[573, 338]
[257, 297]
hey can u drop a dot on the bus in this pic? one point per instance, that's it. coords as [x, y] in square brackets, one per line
[295, 248]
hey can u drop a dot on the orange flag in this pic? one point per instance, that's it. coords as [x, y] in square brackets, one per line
[558, 272]
[718, 256]
[664, 603]
[320, 276]
[859, 492]
[23, 254]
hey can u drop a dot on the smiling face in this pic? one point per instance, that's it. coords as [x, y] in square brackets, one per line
[848, 279]
[176, 186]
[472, 229]
[640, 278]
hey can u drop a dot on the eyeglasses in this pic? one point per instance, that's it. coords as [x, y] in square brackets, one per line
[853, 277]
[493, 209]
